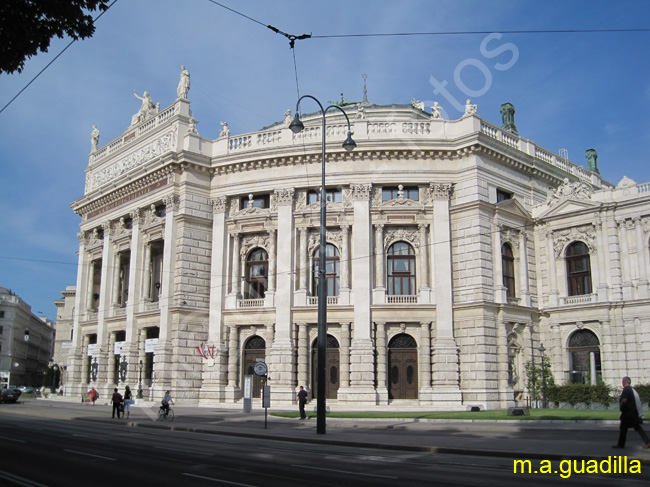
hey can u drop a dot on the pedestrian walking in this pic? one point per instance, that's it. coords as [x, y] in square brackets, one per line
[631, 415]
[117, 403]
[128, 400]
[302, 400]
[94, 395]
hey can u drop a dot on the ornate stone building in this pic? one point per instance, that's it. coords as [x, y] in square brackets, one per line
[454, 248]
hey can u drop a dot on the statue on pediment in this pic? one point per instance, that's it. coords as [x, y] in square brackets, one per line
[469, 108]
[225, 131]
[417, 104]
[577, 190]
[94, 139]
[436, 111]
[183, 84]
[592, 160]
[147, 108]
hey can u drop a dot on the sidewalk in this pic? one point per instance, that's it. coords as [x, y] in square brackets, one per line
[542, 440]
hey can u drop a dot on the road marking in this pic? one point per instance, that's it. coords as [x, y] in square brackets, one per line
[346, 472]
[217, 480]
[89, 455]
[95, 438]
[12, 439]
[184, 451]
[20, 480]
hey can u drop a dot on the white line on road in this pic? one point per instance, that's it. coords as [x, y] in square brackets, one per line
[89, 455]
[20, 480]
[218, 480]
[346, 471]
[12, 439]
[184, 451]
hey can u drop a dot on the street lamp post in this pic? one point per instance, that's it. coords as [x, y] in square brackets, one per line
[349, 144]
[139, 396]
[55, 369]
[541, 351]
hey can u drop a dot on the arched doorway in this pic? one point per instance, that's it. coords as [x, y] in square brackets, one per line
[254, 349]
[402, 367]
[332, 368]
[582, 345]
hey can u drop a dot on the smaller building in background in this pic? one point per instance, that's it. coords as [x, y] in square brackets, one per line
[63, 335]
[25, 342]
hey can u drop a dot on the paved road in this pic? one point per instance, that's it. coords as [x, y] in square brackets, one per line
[42, 446]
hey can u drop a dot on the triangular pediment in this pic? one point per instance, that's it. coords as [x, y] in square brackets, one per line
[568, 206]
[514, 208]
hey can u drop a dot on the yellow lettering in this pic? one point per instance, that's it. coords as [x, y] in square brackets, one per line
[522, 463]
[545, 467]
[575, 466]
[635, 466]
[606, 465]
[565, 468]
[592, 466]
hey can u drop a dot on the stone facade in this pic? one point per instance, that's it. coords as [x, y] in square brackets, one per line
[446, 264]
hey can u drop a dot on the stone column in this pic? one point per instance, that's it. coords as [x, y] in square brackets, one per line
[524, 289]
[115, 298]
[602, 288]
[233, 364]
[146, 276]
[446, 369]
[110, 372]
[236, 265]
[382, 362]
[362, 369]
[104, 300]
[282, 349]
[75, 356]
[425, 361]
[380, 259]
[628, 287]
[500, 291]
[552, 270]
[164, 363]
[614, 258]
[215, 377]
[344, 356]
[344, 292]
[641, 252]
[304, 258]
[90, 300]
[425, 290]
[85, 368]
[272, 260]
[303, 357]
[133, 300]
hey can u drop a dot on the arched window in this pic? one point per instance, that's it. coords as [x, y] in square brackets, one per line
[584, 356]
[508, 265]
[332, 270]
[401, 269]
[578, 268]
[257, 278]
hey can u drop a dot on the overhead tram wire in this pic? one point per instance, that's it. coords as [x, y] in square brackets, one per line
[52, 61]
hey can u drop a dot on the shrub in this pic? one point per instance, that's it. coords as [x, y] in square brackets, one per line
[644, 392]
[575, 393]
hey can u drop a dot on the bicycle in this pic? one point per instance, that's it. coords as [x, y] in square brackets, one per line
[165, 417]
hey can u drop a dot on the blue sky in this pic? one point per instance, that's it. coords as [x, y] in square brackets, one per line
[570, 90]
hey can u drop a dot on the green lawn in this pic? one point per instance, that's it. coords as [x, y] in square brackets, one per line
[494, 415]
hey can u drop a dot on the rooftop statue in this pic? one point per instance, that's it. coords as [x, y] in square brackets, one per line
[183, 84]
[361, 112]
[508, 118]
[417, 104]
[94, 139]
[287, 118]
[469, 108]
[225, 131]
[592, 160]
[146, 108]
[436, 111]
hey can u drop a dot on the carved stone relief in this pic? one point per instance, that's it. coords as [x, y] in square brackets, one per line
[585, 233]
[407, 234]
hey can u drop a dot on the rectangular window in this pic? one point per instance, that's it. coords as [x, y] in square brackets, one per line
[391, 193]
[2, 314]
[258, 201]
[0, 330]
[503, 195]
[331, 195]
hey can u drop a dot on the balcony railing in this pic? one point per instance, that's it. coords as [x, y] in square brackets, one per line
[582, 299]
[250, 303]
[313, 300]
[402, 299]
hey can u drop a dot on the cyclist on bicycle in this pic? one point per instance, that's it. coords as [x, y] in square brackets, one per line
[167, 398]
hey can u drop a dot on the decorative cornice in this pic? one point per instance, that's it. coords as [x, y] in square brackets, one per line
[219, 204]
[441, 191]
[284, 197]
[361, 192]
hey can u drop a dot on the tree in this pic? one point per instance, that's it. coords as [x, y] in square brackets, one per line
[534, 378]
[27, 26]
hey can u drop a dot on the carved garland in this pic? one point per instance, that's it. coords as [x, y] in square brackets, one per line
[331, 236]
[586, 234]
[406, 234]
[249, 242]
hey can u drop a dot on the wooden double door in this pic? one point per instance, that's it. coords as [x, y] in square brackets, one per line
[402, 368]
[332, 368]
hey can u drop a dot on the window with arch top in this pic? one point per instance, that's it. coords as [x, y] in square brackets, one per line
[400, 263]
[257, 277]
[578, 267]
